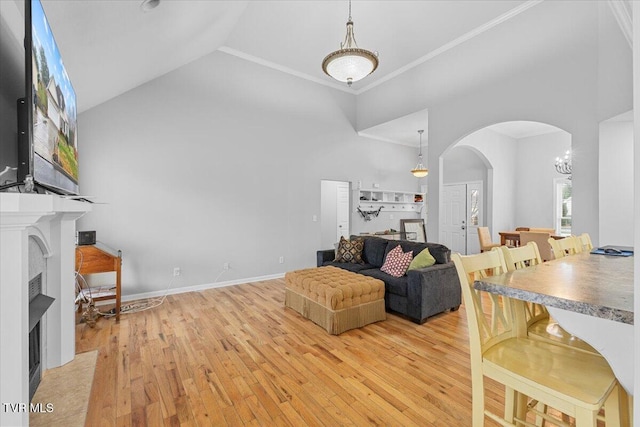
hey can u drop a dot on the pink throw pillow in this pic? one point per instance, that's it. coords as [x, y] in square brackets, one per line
[397, 262]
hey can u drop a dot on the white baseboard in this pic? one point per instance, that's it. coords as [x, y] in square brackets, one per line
[198, 288]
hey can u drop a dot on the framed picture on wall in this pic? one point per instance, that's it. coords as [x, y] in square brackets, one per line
[414, 227]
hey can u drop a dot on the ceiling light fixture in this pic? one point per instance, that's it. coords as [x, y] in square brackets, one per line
[149, 5]
[350, 63]
[420, 171]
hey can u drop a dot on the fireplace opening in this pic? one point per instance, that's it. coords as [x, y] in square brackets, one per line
[38, 305]
[35, 373]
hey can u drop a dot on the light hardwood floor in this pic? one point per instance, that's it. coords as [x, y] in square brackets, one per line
[236, 356]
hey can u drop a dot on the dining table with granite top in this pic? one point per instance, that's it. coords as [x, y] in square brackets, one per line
[591, 296]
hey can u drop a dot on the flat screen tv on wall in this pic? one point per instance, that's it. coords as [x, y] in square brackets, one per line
[47, 116]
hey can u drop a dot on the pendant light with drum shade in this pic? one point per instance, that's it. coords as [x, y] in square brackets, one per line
[350, 63]
[420, 171]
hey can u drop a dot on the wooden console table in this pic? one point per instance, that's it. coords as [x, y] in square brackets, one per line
[100, 258]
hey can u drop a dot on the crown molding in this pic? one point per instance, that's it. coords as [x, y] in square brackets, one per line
[442, 49]
[382, 138]
[282, 68]
[456, 42]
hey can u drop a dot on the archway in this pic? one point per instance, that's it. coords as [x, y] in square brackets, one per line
[515, 164]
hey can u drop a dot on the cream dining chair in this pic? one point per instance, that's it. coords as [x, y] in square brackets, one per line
[484, 236]
[550, 374]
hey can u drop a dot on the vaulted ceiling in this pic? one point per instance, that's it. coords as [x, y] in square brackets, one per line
[110, 47]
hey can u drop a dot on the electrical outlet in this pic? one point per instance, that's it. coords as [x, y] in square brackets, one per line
[177, 271]
[226, 266]
[281, 260]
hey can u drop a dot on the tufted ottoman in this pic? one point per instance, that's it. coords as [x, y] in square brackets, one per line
[336, 299]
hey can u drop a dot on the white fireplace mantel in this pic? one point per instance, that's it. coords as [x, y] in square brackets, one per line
[51, 220]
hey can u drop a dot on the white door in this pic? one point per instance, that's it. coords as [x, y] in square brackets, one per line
[454, 222]
[462, 216]
[335, 202]
[342, 210]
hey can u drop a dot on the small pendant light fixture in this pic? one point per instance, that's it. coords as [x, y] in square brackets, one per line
[420, 171]
[350, 63]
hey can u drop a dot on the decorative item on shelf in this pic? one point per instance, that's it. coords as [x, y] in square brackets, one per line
[563, 165]
[417, 198]
[367, 215]
[420, 171]
[350, 63]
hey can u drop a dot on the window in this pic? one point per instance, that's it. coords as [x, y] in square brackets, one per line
[474, 208]
[562, 206]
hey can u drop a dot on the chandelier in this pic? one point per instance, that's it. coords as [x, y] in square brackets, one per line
[350, 63]
[420, 171]
[563, 165]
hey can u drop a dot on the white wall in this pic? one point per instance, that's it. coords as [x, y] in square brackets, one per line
[523, 191]
[614, 66]
[540, 77]
[499, 151]
[463, 165]
[328, 213]
[616, 183]
[535, 174]
[221, 161]
[220, 114]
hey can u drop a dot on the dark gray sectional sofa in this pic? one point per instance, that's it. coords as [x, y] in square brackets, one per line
[418, 294]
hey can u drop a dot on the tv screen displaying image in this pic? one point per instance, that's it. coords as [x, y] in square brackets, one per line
[53, 135]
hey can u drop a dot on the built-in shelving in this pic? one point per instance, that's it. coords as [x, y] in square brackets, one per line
[389, 200]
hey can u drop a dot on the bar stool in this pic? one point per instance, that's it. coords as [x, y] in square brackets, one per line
[551, 374]
[585, 242]
[540, 325]
[563, 247]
